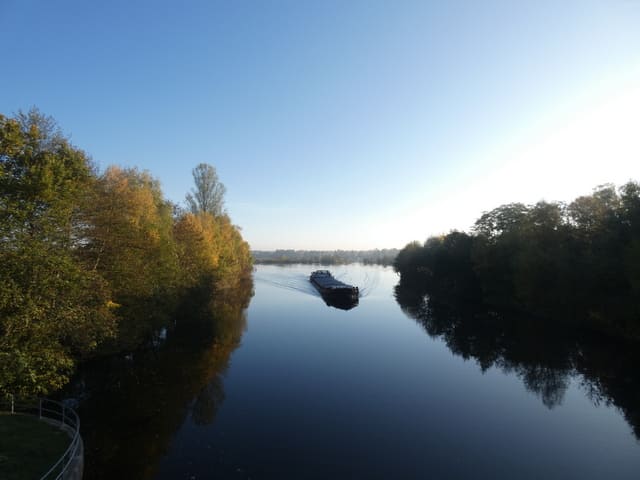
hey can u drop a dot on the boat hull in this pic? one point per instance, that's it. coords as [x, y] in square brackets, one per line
[334, 292]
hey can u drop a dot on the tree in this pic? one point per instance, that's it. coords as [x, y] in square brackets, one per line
[198, 254]
[410, 261]
[52, 310]
[502, 220]
[86, 257]
[208, 194]
[129, 242]
[574, 264]
[235, 254]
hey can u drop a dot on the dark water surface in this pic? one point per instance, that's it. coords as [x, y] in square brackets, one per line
[292, 388]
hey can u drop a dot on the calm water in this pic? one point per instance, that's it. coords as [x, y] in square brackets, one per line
[293, 388]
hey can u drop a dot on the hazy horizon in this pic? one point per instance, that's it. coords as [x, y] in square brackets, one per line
[341, 125]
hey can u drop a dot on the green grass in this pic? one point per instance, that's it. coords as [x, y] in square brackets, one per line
[28, 446]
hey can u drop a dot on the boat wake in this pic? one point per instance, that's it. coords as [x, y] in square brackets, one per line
[366, 283]
[369, 284]
[298, 282]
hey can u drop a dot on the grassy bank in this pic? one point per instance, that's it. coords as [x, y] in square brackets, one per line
[28, 446]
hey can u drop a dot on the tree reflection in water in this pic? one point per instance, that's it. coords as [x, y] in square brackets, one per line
[545, 357]
[131, 406]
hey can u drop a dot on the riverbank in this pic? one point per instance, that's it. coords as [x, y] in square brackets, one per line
[28, 446]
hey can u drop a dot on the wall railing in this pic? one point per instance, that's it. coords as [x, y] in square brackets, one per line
[70, 464]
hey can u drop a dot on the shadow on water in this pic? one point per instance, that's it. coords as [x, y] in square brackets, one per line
[544, 357]
[340, 303]
[131, 406]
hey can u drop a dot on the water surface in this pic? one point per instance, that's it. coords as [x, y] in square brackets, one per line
[293, 388]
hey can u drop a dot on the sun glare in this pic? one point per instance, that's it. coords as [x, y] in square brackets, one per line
[569, 156]
[596, 144]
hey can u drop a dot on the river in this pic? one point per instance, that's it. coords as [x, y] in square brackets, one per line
[293, 388]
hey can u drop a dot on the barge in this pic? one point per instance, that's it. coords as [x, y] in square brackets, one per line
[334, 292]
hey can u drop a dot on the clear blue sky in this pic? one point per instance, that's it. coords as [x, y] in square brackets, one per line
[346, 124]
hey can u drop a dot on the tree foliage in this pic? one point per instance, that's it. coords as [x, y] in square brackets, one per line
[129, 234]
[326, 257]
[208, 194]
[52, 310]
[576, 263]
[94, 261]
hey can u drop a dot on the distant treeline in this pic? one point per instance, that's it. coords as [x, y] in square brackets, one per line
[575, 264]
[95, 261]
[326, 257]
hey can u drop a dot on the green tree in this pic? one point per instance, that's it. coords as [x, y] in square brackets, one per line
[208, 194]
[506, 219]
[409, 262]
[542, 261]
[574, 264]
[52, 310]
[630, 219]
[498, 238]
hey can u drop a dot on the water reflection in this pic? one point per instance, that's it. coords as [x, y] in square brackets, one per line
[343, 303]
[310, 395]
[131, 406]
[545, 358]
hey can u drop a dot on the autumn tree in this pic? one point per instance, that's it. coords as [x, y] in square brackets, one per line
[235, 256]
[197, 249]
[209, 243]
[129, 242]
[89, 259]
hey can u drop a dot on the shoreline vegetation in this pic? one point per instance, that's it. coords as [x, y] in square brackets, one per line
[384, 256]
[28, 446]
[549, 291]
[96, 263]
[574, 265]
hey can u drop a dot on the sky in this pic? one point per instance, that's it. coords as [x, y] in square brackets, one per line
[340, 124]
